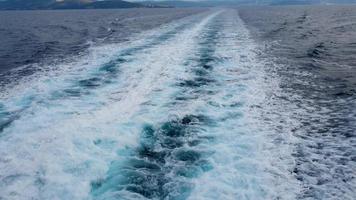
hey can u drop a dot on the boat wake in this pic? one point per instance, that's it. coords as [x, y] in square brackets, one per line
[185, 112]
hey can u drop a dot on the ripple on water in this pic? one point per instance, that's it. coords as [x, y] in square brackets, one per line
[168, 156]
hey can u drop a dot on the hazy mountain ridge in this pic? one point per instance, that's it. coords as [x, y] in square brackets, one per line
[106, 4]
[308, 2]
[65, 4]
[212, 3]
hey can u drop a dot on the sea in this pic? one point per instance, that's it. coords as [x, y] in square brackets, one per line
[251, 102]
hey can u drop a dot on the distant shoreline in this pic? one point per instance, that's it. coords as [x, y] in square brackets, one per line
[12, 5]
[67, 5]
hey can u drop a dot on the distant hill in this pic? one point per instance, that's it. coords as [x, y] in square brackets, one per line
[202, 3]
[213, 3]
[294, 2]
[309, 2]
[106, 4]
[65, 4]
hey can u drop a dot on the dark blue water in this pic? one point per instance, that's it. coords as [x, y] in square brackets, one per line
[314, 45]
[29, 37]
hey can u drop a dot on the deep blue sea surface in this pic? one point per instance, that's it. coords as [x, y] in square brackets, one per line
[29, 37]
[173, 104]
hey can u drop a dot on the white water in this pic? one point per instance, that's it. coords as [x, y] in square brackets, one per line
[249, 162]
[59, 144]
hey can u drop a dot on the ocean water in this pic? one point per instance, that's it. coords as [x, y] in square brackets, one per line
[44, 37]
[314, 54]
[178, 104]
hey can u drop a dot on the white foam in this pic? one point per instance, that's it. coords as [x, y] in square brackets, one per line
[248, 163]
[58, 146]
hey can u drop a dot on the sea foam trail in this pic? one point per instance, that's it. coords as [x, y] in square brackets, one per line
[185, 113]
[251, 159]
[60, 134]
[208, 138]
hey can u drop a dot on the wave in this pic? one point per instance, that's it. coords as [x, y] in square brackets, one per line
[186, 111]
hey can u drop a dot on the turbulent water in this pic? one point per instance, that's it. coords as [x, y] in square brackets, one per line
[43, 36]
[190, 109]
[314, 55]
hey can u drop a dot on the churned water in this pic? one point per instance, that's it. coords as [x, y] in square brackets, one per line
[188, 108]
[313, 50]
